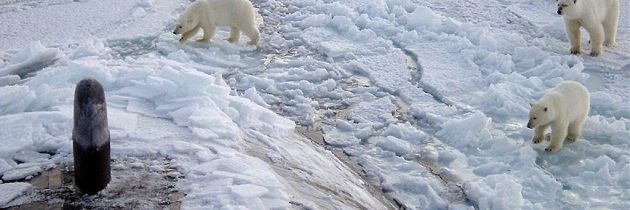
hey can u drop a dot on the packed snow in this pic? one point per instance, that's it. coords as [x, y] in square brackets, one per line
[12, 192]
[420, 105]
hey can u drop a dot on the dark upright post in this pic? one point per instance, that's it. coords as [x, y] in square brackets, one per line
[90, 138]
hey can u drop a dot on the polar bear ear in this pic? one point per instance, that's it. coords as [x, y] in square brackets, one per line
[545, 109]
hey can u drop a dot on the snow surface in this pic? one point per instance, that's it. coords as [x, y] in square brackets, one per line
[428, 99]
[11, 192]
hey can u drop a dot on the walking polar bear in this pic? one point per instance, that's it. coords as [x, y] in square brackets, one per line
[598, 17]
[563, 108]
[208, 14]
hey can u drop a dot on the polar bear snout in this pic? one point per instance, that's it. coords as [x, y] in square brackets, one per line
[178, 29]
[560, 9]
[561, 5]
[529, 125]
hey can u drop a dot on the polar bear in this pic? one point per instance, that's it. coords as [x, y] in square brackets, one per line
[208, 14]
[599, 17]
[563, 108]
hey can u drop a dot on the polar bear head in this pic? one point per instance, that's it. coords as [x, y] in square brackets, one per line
[187, 21]
[541, 113]
[568, 7]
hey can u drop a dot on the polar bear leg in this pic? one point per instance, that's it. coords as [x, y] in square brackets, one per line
[558, 134]
[187, 35]
[208, 33]
[596, 31]
[252, 33]
[539, 133]
[573, 31]
[610, 26]
[575, 129]
[235, 34]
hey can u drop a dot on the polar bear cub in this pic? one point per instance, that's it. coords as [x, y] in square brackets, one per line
[598, 17]
[208, 14]
[563, 108]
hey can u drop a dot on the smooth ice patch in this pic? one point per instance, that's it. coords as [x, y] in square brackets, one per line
[31, 59]
[13, 191]
[396, 145]
[496, 192]
[9, 80]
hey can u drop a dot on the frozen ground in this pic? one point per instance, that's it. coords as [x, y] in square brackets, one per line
[135, 184]
[415, 104]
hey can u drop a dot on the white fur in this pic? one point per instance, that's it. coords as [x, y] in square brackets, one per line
[208, 14]
[598, 17]
[563, 108]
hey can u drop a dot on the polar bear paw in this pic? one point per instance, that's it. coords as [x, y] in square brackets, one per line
[609, 43]
[574, 50]
[538, 139]
[552, 148]
[231, 39]
[596, 53]
[571, 138]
